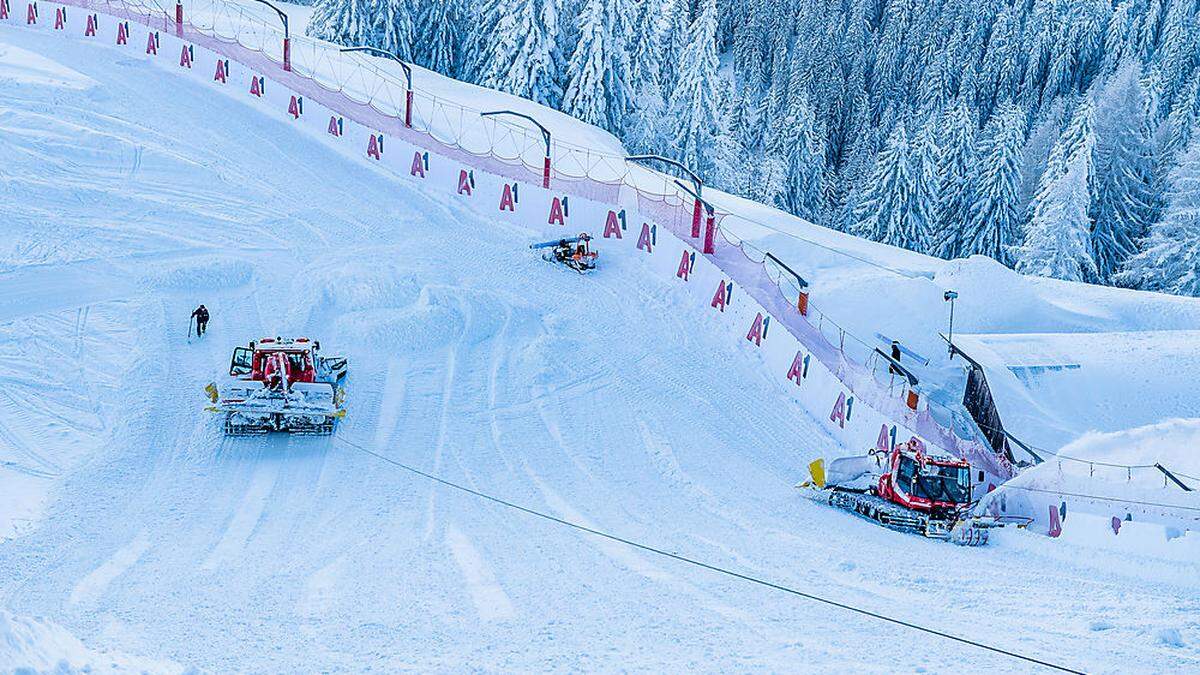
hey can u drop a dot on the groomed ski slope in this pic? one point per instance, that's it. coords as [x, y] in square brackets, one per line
[127, 200]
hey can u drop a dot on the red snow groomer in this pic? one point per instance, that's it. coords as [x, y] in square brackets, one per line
[915, 492]
[280, 384]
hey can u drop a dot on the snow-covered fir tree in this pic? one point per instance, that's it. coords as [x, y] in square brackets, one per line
[649, 71]
[955, 174]
[1124, 202]
[598, 75]
[993, 215]
[804, 152]
[643, 132]
[394, 29]
[694, 111]
[439, 30]
[1170, 256]
[1058, 238]
[925, 211]
[523, 60]
[345, 22]
[894, 207]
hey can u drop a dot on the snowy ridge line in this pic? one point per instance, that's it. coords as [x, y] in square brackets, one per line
[703, 565]
[840, 392]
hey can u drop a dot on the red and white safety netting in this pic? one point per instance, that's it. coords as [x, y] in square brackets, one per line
[375, 93]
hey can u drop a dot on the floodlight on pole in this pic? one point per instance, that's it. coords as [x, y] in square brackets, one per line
[950, 297]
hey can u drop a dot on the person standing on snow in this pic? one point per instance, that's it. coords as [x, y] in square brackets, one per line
[200, 314]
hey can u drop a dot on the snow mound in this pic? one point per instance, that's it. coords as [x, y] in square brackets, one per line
[1116, 477]
[1052, 388]
[421, 327]
[37, 645]
[1171, 443]
[22, 67]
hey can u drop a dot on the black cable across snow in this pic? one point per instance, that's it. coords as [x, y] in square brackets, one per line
[707, 566]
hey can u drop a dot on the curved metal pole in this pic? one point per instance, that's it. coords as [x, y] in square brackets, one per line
[287, 38]
[695, 195]
[710, 228]
[282, 16]
[408, 95]
[380, 52]
[696, 182]
[545, 131]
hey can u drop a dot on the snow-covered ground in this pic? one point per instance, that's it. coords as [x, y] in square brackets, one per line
[146, 532]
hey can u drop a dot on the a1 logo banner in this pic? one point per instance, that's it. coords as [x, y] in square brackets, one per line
[336, 126]
[420, 164]
[509, 197]
[466, 182]
[842, 411]
[375, 146]
[798, 372]
[93, 22]
[31, 16]
[296, 106]
[887, 438]
[614, 224]
[559, 211]
[3, 9]
[723, 296]
[258, 86]
[648, 239]
[686, 264]
[60, 18]
[152, 43]
[758, 329]
[222, 72]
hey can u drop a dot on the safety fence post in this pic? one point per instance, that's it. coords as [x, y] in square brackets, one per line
[546, 173]
[287, 54]
[408, 98]
[179, 19]
[710, 231]
[696, 220]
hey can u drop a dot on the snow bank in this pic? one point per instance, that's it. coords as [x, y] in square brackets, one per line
[1112, 477]
[424, 326]
[1052, 387]
[1171, 443]
[26, 68]
[38, 645]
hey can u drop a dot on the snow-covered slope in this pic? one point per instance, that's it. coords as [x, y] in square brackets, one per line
[128, 203]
